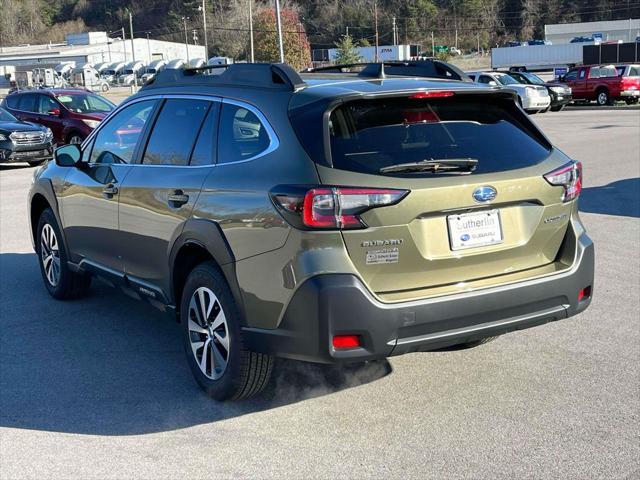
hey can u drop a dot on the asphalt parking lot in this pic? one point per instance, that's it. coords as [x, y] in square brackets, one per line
[99, 388]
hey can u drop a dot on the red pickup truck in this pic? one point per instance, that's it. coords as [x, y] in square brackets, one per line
[604, 84]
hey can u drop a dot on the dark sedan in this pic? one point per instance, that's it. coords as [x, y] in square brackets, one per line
[560, 93]
[23, 142]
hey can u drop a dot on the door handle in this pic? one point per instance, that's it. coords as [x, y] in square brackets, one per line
[110, 190]
[177, 198]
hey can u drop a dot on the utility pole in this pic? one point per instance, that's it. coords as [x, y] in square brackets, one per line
[109, 48]
[478, 38]
[455, 23]
[133, 50]
[149, 47]
[204, 24]
[375, 18]
[186, 41]
[124, 45]
[395, 40]
[433, 45]
[251, 31]
[279, 22]
[347, 30]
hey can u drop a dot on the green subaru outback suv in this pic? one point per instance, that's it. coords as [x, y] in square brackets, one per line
[324, 216]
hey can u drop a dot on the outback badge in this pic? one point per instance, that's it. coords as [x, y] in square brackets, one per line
[484, 194]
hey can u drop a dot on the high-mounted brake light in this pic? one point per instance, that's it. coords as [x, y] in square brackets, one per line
[331, 208]
[568, 176]
[432, 94]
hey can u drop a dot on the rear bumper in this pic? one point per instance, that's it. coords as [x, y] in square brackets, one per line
[339, 304]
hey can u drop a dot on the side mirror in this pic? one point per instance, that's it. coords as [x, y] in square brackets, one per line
[68, 156]
[54, 111]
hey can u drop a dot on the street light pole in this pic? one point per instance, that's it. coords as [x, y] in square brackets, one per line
[251, 31]
[375, 16]
[186, 40]
[279, 23]
[204, 24]
[133, 50]
[149, 47]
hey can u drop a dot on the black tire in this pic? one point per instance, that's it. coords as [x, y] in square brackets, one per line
[631, 101]
[36, 163]
[467, 345]
[245, 373]
[69, 284]
[602, 97]
[557, 109]
[75, 137]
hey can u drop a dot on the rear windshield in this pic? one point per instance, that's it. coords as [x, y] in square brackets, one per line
[368, 135]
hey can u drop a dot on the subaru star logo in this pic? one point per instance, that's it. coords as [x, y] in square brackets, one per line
[484, 194]
[464, 237]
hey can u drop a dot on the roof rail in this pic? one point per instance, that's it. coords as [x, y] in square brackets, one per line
[278, 76]
[411, 68]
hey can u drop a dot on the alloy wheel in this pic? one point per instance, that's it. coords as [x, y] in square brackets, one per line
[602, 98]
[208, 333]
[50, 254]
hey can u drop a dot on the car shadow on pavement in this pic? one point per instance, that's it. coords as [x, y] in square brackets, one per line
[620, 198]
[14, 166]
[111, 365]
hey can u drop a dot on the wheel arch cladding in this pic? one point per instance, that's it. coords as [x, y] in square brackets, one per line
[200, 241]
[43, 197]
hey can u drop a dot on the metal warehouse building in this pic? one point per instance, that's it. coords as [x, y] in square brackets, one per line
[95, 47]
[625, 30]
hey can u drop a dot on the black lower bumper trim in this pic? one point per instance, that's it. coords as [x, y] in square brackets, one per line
[339, 304]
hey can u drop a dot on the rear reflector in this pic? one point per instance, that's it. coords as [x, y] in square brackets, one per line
[584, 293]
[431, 94]
[568, 176]
[346, 341]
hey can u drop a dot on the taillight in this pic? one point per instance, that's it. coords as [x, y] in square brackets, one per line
[568, 176]
[331, 208]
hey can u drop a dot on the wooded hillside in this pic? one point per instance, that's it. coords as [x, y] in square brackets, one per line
[485, 21]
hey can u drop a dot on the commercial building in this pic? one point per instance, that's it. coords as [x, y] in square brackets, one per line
[625, 30]
[96, 47]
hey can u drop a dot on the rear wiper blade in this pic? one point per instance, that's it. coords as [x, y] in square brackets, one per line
[443, 165]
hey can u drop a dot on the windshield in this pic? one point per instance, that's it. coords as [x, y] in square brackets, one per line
[85, 103]
[369, 135]
[536, 80]
[506, 80]
[110, 72]
[128, 72]
[151, 70]
[6, 116]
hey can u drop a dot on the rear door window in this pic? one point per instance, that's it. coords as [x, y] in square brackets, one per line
[242, 135]
[368, 135]
[28, 102]
[174, 133]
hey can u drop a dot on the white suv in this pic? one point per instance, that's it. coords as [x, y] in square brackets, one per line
[532, 98]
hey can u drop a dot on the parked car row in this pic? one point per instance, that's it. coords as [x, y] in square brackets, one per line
[33, 122]
[533, 98]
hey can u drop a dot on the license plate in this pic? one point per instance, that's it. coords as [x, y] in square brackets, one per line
[478, 229]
